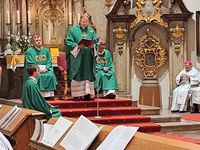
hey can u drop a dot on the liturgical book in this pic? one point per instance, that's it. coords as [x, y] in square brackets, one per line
[87, 42]
[81, 135]
[118, 138]
[7, 119]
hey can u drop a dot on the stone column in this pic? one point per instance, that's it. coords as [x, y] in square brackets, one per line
[24, 16]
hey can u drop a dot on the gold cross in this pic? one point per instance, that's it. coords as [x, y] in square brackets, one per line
[84, 35]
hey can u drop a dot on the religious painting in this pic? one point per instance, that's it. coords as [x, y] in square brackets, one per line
[198, 33]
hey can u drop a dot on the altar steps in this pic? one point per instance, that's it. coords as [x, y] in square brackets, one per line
[110, 111]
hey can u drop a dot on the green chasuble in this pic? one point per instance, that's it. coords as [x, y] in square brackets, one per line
[81, 67]
[46, 81]
[105, 80]
[32, 99]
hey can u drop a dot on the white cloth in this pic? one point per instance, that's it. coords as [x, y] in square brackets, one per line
[4, 143]
[82, 88]
[180, 94]
[195, 95]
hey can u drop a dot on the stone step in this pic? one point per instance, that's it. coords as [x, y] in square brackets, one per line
[165, 118]
[149, 110]
[183, 125]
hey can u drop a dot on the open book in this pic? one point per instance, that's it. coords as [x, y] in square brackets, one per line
[7, 119]
[87, 42]
[50, 134]
[81, 135]
[118, 138]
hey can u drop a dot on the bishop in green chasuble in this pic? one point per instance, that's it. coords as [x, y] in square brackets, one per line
[32, 98]
[105, 76]
[41, 56]
[81, 58]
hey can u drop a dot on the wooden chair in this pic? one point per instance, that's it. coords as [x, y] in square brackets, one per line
[61, 74]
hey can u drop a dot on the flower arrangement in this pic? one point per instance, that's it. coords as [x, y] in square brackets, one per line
[21, 42]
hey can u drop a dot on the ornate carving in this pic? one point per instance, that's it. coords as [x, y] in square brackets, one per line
[148, 11]
[54, 18]
[108, 3]
[177, 37]
[119, 32]
[150, 56]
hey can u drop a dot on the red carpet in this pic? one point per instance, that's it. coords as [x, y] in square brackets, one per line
[112, 112]
[176, 137]
[191, 117]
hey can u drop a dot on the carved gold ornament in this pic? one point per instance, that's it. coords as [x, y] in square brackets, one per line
[149, 55]
[120, 33]
[148, 11]
[177, 37]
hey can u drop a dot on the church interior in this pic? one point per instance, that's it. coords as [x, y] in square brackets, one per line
[149, 41]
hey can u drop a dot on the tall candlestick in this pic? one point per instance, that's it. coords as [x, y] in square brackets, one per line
[8, 17]
[29, 17]
[18, 17]
[70, 18]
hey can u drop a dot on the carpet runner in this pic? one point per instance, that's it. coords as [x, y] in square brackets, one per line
[191, 117]
[111, 111]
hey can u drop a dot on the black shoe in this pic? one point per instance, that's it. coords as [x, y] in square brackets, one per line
[195, 108]
[174, 111]
[182, 111]
[110, 96]
[88, 98]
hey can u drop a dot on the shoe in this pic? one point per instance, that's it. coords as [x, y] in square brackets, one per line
[88, 98]
[174, 111]
[110, 96]
[182, 111]
[195, 108]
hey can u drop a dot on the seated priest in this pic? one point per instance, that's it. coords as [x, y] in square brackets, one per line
[31, 96]
[105, 82]
[41, 56]
[186, 79]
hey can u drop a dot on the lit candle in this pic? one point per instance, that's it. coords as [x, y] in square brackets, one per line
[18, 17]
[78, 17]
[8, 17]
[70, 18]
[29, 17]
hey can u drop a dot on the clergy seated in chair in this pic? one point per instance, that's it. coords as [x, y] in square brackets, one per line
[41, 56]
[31, 96]
[105, 82]
[185, 80]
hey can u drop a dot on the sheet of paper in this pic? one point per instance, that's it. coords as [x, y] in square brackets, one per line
[81, 135]
[42, 67]
[55, 133]
[118, 138]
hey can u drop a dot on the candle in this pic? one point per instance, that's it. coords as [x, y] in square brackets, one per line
[78, 17]
[70, 18]
[131, 4]
[8, 17]
[18, 17]
[169, 4]
[29, 17]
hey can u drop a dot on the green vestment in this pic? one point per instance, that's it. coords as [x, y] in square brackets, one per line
[32, 99]
[105, 80]
[46, 81]
[81, 67]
